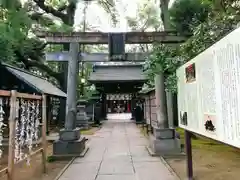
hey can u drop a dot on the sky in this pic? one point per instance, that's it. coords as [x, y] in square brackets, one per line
[98, 18]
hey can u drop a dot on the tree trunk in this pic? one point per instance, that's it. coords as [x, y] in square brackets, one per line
[165, 14]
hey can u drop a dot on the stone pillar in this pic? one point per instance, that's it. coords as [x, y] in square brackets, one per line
[71, 106]
[169, 97]
[70, 142]
[164, 141]
[160, 102]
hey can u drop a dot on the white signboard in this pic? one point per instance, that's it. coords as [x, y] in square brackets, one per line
[209, 91]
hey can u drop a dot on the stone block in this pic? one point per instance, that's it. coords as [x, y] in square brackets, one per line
[82, 120]
[165, 146]
[164, 133]
[69, 135]
[65, 148]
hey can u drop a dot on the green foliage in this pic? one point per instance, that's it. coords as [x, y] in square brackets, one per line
[60, 28]
[147, 17]
[164, 58]
[14, 28]
[51, 159]
[9, 4]
[206, 32]
[187, 14]
[87, 88]
[6, 46]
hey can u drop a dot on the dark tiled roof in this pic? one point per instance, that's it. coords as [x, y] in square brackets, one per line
[118, 73]
[38, 83]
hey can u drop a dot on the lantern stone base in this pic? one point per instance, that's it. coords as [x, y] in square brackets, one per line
[70, 143]
[69, 148]
[83, 121]
[164, 142]
[69, 135]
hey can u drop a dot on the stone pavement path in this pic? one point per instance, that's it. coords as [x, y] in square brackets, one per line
[117, 152]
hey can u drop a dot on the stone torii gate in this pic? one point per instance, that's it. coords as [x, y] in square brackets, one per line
[70, 142]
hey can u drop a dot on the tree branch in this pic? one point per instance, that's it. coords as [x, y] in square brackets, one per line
[43, 46]
[51, 10]
[41, 19]
[43, 67]
[62, 8]
[38, 63]
[35, 16]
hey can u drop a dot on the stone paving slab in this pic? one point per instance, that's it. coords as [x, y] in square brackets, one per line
[118, 152]
[119, 158]
[113, 167]
[152, 171]
[116, 177]
[84, 171]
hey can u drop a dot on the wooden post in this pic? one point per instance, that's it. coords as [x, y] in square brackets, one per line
[44, 136]
[49, 114]
[188, 146]
[93, 112]
[12, 134]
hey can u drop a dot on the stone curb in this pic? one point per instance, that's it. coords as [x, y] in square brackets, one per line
[71, 162]
[164, 162]
[64, 169]
[170, 168]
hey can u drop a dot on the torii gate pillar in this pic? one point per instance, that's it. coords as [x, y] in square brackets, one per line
[70, 142]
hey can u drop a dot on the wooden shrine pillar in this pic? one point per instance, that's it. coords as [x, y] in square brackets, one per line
[49, 115]
[104, 105]
[133, 105]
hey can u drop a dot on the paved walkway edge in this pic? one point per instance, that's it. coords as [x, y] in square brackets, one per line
[163, 161]
[70, 162]
[64, 169]
[170, 168]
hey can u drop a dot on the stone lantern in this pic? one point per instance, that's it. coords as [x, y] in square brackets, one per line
[82, 118]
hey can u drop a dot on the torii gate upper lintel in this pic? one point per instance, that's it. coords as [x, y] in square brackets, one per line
[115, 53]
[170, 37]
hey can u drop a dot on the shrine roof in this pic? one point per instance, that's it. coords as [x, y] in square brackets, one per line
[36, 82]
[121, 73]
[119, 63]
[147, 91]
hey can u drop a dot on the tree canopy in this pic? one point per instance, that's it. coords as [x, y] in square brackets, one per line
[18, 22]
[208, 21]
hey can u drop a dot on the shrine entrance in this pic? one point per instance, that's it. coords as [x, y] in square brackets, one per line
[118, 103]
[118, 85]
